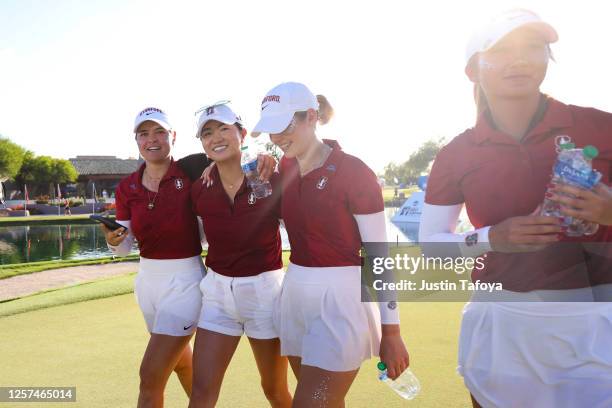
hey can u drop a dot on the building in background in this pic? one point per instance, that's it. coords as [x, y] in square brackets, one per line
[104, 171]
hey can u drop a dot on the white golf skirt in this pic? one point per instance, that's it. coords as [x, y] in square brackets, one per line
[538, 354]
[320, 318]
[168, 293]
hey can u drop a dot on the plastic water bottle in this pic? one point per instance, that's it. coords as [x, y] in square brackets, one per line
[406, 385]
[248, 162]
[573, 167]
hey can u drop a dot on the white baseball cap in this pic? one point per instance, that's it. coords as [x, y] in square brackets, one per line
[153, 114]
[281, 103]
[501, 25]
[219, 111]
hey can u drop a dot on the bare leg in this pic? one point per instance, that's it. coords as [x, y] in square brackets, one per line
[296, 365]
[273, 371]
[322, 388]
[211, 356]
[161, 357]
[184, 369]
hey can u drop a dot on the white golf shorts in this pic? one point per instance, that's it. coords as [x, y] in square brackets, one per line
[168, 294]
[234, 306]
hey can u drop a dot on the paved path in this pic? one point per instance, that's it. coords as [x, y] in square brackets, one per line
[23, 285]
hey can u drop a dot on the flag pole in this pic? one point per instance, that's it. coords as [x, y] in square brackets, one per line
[25, 188]
[59, 198]
[93, 193]
[53, 196]
[27, 245]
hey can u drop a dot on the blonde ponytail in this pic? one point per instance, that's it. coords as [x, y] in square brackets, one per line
[325, 110]
[480, 99]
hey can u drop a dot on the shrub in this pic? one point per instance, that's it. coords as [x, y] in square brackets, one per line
[109, 207]
[75, 202]
[44, 199]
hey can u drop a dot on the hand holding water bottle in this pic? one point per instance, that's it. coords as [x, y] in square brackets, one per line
[590, 205]
[406, 385]
[572, 168]
[250, 152]
[395, 362]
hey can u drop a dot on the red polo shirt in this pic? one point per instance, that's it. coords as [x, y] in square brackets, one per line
[498, 177]
[170, 229]
[243, 236]
[318, 208]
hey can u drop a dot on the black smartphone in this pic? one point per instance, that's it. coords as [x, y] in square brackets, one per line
[110, 224]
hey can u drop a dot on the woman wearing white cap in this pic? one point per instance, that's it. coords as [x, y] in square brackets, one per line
[244, 265]
[523, 352]
[331, 203]
[154, 206]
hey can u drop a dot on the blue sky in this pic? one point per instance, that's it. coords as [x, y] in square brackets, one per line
[73, 74]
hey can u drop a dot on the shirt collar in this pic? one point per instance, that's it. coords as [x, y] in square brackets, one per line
[217, 184]
[333, 161]
[174, 171]
[557, 116]
[290, 167]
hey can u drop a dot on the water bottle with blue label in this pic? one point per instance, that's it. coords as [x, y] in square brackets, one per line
[573, 167]
[248, 162]
[406, 385]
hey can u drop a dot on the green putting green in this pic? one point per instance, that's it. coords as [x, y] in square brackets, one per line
[96, 345]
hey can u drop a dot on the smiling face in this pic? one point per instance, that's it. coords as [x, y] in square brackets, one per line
[220, 141]
[297, 137]
[154, 141]
[514, 67]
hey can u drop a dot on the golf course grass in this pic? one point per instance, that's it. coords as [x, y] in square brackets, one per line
[46, 220]
[96, 345]
[99, 289]
[10, 270]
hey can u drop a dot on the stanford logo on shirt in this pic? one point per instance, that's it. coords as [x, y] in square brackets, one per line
[252, 198]
[322, 183]
[178, 183]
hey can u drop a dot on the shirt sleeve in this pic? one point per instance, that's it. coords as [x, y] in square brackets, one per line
[373, 232]
[437, 235]
[125, 247]
[442, 185]
[193, 165]
[122, 209]
[364, 192]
